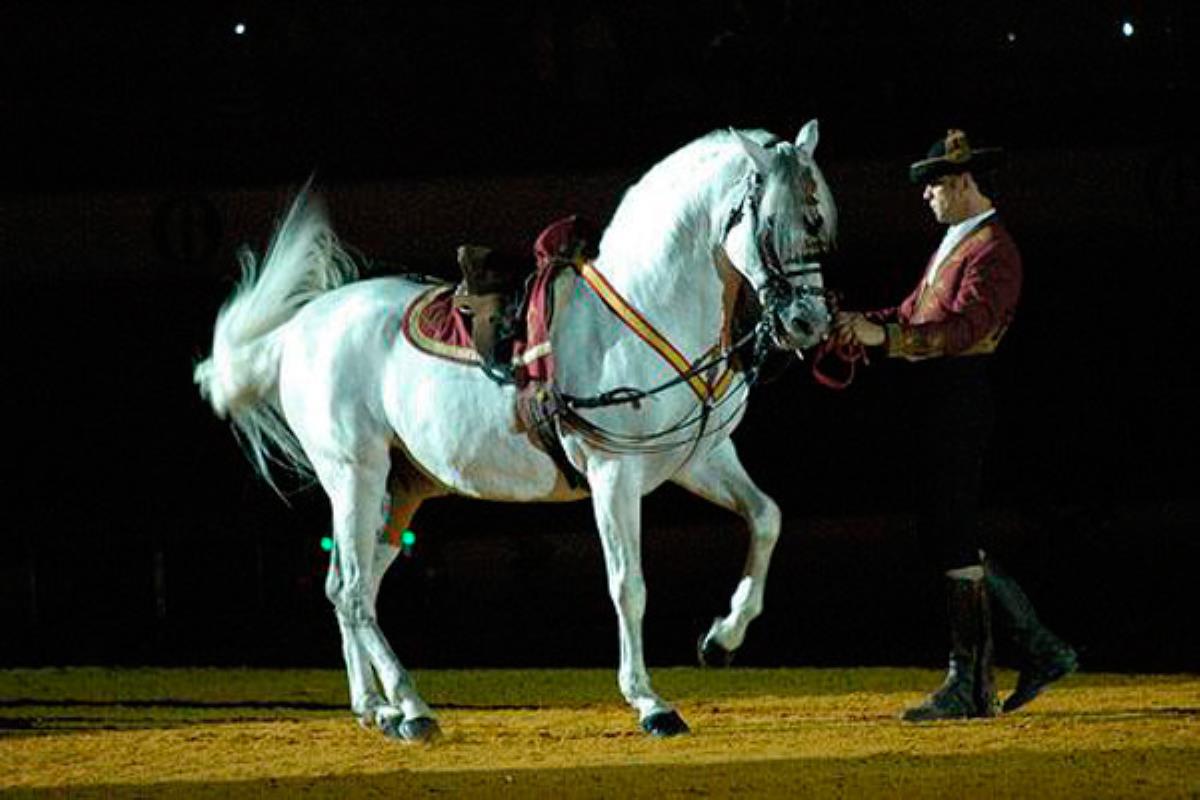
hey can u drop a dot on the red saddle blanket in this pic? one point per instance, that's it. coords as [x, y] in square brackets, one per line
[434, 324]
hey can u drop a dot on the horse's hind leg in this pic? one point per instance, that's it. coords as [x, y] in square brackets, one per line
[721, 478]
[408, 488]
[357, 492]
[367, 698]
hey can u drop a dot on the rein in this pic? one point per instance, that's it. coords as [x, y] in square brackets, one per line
[848, 354]
[614, 442]
[633, 396]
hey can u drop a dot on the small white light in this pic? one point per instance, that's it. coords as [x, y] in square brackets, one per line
[1012, 37]
[1127, 29]
[239, 29]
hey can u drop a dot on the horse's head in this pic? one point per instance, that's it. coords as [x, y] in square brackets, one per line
[784, 221]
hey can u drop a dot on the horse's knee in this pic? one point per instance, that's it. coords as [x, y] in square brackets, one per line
[765, 520]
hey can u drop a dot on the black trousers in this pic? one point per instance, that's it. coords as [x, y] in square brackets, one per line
[951, 412]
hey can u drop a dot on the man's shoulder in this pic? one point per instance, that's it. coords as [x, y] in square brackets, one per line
[992, 242]
[992, 231]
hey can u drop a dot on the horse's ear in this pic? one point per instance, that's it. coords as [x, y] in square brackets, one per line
[806, 140]
[758, 154]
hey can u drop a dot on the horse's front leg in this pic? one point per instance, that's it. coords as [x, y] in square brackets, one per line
[721, 478]
[617, 505]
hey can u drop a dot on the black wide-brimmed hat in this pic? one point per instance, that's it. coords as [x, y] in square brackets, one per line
[952, 155]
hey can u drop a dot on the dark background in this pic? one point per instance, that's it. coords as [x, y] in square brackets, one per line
[145, 144]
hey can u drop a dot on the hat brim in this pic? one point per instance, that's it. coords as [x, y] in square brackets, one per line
[982, 160]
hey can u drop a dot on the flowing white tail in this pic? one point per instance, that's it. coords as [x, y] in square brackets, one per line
[239, 379]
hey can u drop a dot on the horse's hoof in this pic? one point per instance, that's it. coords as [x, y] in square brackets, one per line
[418, 730]
[711, 653]
[371, 710]
[421, 729]
[665, 723]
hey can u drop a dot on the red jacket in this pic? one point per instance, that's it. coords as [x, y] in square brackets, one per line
[968, 307]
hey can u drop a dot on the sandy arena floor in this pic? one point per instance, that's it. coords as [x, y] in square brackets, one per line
[566, 733]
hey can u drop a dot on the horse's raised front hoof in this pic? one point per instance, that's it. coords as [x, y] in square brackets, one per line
[418, 730]
[665, 723]
[711, 653]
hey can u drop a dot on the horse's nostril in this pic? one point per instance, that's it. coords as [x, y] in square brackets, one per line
[801, 325]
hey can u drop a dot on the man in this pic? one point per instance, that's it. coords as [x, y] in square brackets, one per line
[948, 327]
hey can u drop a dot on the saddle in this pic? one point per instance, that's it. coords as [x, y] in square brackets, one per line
[490, 296]
[488, 299]
[510, 328]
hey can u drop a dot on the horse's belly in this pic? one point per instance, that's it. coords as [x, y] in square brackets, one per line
[461, 429]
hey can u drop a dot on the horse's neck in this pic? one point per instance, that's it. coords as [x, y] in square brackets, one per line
[658, 253]
[679, 294]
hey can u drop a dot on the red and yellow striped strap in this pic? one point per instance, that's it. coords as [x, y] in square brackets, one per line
[711, 388]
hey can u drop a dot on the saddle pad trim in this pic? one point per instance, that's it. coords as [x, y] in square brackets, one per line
[411, 326]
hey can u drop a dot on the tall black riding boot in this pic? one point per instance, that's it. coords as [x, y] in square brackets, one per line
[969, 688]
[1044, 658]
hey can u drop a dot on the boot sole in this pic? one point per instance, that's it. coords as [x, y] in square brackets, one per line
[1056, 673]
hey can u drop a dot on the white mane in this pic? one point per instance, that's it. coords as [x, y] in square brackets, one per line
[668, 209]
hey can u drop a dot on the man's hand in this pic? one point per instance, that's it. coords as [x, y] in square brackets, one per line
[851, 327]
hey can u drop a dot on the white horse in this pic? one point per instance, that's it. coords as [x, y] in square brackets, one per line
[306, 364]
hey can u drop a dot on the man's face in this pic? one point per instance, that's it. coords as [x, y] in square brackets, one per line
[947, 198]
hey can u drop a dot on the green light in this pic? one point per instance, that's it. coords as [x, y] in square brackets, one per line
[408, 538]
[327, 544]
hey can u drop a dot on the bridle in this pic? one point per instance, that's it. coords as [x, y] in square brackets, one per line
[778, 292]
[775, 295]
